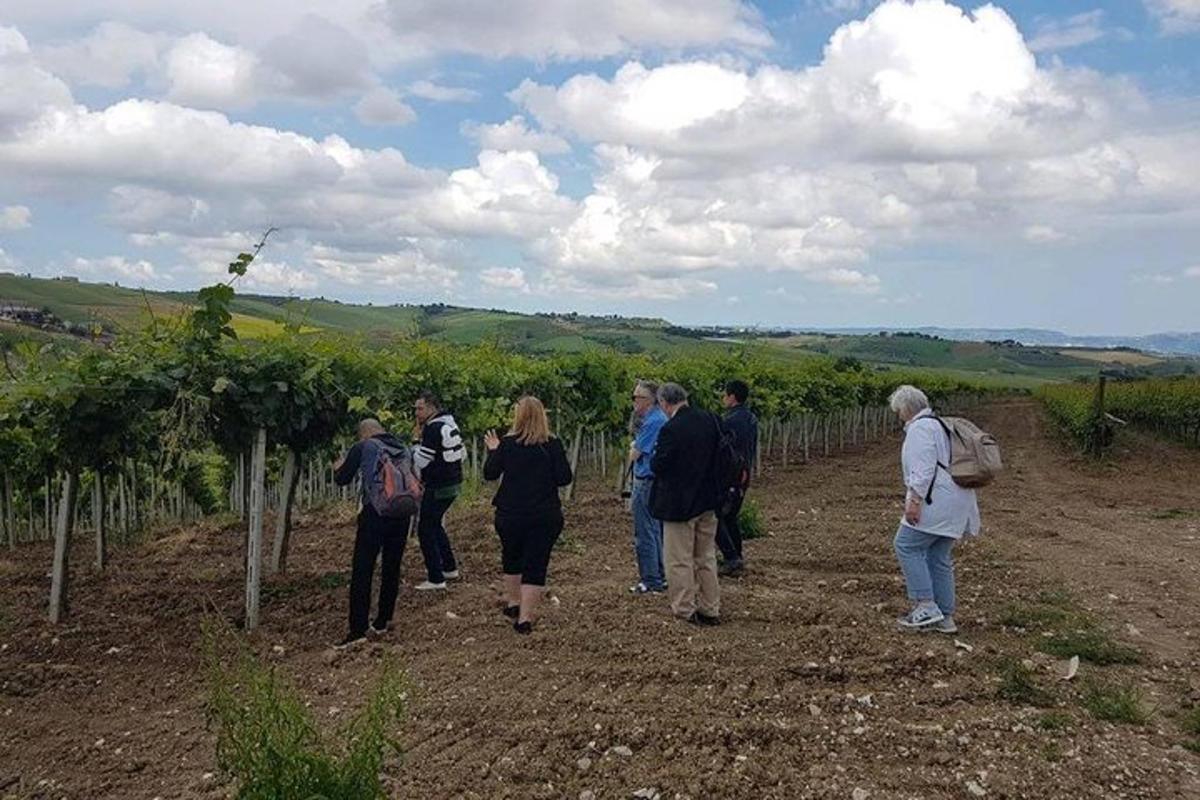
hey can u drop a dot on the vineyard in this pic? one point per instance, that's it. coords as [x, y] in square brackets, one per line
[1088, 412]
[184, 419]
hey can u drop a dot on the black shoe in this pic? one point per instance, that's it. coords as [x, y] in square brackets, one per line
[703, 620]
[351, 640]
[523, 627]
[512, 612]
[378, 630]
[732, 569]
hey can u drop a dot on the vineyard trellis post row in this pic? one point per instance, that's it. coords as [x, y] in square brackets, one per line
[60, 574]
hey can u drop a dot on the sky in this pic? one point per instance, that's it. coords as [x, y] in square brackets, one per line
[810, 163]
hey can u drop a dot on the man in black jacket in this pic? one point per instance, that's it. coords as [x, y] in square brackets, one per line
[684, 497]
[438, 458]
[744, 426]
[375, 534]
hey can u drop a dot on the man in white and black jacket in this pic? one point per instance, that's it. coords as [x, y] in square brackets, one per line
[438, 457]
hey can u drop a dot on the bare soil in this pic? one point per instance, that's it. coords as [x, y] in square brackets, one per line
[806, 690]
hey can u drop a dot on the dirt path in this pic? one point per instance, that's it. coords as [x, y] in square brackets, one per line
[805, 691]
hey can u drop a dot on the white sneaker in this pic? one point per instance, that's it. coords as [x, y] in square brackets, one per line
[921, 617]
[452, 575]
[946, 626]
[430, 586]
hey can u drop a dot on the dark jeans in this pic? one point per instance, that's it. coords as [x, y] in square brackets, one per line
[376, 535]
[525, 545]
[435, 545]
[729, 533]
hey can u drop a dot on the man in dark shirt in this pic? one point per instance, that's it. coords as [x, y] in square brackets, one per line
[684, 496]
[375, 535]
[741, 421]
[438, 458]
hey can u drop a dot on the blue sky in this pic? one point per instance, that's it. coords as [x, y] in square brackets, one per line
[807, 163]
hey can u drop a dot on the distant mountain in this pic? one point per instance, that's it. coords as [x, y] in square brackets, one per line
[1183, 344]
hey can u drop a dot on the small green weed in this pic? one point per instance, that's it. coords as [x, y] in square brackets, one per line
[333, 580]
[1113, 702]
[1054, 721]
[1091, 643]
[1191, 722]
[1174, 513]
[1052, 752]
[1193, 745]
[1017, 685]
[1031, 615]
[750, 521]
[268, 741]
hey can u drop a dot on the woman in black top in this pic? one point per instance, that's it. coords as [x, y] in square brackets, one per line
[532, 465]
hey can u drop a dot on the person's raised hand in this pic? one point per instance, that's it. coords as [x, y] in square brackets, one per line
[491, 441]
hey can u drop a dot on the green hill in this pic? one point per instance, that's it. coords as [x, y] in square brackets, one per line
[71, 310]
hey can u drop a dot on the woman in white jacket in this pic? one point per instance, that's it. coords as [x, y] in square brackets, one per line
[937, 513]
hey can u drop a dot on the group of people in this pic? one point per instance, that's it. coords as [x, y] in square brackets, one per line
[683, 510]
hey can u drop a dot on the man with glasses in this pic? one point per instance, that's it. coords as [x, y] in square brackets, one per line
[647, 531]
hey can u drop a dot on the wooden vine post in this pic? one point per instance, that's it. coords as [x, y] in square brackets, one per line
[283, 520]
[254, 540]
[98, 521]
[62, 548]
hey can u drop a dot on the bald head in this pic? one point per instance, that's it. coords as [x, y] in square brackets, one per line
[368, 428]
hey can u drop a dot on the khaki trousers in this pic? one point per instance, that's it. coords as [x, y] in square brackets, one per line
[690, 549]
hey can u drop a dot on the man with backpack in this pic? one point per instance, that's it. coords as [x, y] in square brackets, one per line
[685, 496]
[375, 454]
[741, 422]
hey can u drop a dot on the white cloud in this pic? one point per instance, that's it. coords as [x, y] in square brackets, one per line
[921, 121]
[427, 90]
[567, 29]
[410, 271]
[515, 134]
[1176, 16]
[1064, 34]
[7, 262]
[204, 72]
[848, 279]
[382, 106]
[1042, 234]
[29, 90]
[15, 218]
[501, 278]
[114, 267]
[112, 55]
[1192, 272]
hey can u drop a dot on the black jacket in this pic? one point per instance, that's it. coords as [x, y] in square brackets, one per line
[744, 425]
[531, 474]
[685, 485]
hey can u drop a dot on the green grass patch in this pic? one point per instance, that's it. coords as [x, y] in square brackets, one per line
[268, 740]
[1032, 615]
[1113, 702]
[1054, 721]
[1193, 745]
[1051, 752]
[1191, 722]
[751, 522]
[1174, 513]
[1091, 643]
[1018, 686]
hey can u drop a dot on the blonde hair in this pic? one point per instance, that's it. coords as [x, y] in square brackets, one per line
[530, 423]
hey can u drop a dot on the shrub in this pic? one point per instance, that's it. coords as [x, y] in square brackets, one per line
[1091, 644]
[1115, 703]
[266, 737]
[1018, 686]
[750, 521]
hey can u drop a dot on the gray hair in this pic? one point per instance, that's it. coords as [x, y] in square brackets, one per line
[369, 427]
[908, 401]
[672, 394]
[649, 387]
